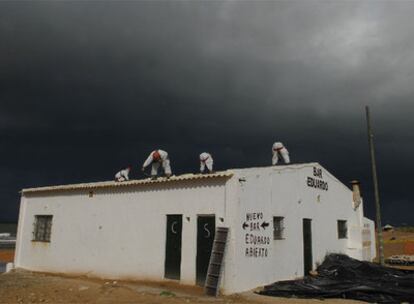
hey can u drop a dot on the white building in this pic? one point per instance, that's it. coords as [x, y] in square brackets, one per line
[282, 220]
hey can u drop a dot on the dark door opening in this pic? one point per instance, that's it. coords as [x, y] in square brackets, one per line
[173, 247]
[307, 246]
[206, 227]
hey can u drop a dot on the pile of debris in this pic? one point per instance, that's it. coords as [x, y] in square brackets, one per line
[405, 260]
[340, 276]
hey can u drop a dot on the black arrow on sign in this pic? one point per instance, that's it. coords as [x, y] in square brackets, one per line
[245, 225]
[264, 225]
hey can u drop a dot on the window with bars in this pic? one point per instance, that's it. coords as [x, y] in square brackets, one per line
[42, 228]
[342, 229]
[278, 228]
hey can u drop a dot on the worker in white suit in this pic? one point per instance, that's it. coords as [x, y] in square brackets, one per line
[279, 149]
[157, 158]
[123, 175]
[206, 160]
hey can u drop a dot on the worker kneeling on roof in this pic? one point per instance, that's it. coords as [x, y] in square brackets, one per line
[279, 149]
[206, 161]
[123, 175]
[157, 158]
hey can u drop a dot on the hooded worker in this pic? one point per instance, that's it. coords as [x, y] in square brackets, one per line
[206, 161]
[279, 149]
[157, 158]
[123, 175]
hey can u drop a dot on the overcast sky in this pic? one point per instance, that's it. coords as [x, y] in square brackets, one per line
[89, 87]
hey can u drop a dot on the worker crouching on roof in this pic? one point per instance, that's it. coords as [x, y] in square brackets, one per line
[157, 158]
[206, 161]
[123, 175]
[279, 149]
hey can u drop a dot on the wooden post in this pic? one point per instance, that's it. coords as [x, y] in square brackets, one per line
[376, 192]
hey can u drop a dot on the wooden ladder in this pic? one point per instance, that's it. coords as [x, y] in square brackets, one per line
[211, 286]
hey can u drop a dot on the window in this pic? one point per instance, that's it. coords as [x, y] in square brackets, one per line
[42, 228]
[278, 227]
[342, 229]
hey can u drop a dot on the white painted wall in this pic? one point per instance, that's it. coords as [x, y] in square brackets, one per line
[283, 191]
[120, 232]
[368, 240]
[117, 234]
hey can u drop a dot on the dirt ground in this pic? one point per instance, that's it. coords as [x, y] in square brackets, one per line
[395, 242]
[27, 287]
[6, 255]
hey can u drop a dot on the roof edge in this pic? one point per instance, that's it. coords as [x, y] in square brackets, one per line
[135, 182]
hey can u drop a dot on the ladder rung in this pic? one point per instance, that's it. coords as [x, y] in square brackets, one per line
[216, 259]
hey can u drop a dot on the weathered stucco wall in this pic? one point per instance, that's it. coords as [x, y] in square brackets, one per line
[121, 232]
[284, 191]
[117, 233]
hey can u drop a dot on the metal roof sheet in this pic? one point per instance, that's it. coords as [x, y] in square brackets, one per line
[111, 184]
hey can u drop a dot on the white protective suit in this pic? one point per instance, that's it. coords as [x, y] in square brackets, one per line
[122, 175]
[277, 149]
[206, 161]
[163, 160]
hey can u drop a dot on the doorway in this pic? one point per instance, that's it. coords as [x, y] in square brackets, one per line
[172, 269]
[307, 246]
[206, 227]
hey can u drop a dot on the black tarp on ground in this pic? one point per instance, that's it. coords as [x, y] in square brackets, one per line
[340, 276]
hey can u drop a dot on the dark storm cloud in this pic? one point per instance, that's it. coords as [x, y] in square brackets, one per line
[87, 87]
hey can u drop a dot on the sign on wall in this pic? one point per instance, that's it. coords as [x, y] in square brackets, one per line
[257, 235]
[316, 181]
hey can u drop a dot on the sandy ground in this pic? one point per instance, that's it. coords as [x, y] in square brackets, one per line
[395, 241]
[27, 287]
[6, 255]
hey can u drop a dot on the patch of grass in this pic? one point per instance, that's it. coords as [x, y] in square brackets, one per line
[167, 293]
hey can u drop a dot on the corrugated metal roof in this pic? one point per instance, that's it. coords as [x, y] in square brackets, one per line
[110, 184]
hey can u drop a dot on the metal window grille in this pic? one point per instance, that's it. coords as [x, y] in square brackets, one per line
[42, 228]
[278, 227]
[342, 229]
